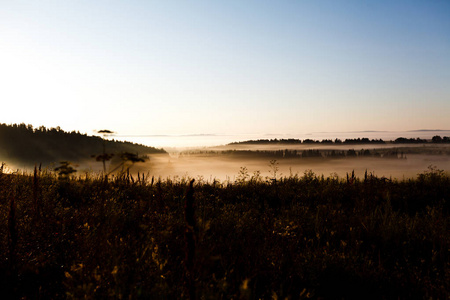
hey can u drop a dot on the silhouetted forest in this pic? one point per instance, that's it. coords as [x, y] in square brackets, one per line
[401, 140]
[21, 143]
[307, 153]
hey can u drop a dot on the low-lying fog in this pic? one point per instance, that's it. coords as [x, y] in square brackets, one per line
[210, 163]
[225, 167]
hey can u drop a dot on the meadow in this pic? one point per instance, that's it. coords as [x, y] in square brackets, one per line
[390, 160]
[298, 236]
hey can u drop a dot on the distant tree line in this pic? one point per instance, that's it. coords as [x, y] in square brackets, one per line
[403, 140]
[400, 140]
[307, 153]
[21, 143]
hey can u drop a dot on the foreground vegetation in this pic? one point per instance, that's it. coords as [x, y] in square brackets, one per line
[303, 236]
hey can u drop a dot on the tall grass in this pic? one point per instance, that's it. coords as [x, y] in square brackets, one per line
[301, 236]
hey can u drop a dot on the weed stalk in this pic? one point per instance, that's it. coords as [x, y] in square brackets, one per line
[12, 232]
[189, 236]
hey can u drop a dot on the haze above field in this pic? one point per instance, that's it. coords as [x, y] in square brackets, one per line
[24, 147]
[251, 69]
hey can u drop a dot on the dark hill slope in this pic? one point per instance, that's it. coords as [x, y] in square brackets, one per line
[29, 146]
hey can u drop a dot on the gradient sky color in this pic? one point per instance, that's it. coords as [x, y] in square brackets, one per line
[226, 67]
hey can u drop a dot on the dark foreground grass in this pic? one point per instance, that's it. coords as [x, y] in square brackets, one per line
[296, 237]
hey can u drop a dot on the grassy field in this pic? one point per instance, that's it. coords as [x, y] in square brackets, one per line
[400, 161]
[302, 236]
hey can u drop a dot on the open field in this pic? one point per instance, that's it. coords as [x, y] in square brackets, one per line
[304, 236]
[224, 163]
[24, 146]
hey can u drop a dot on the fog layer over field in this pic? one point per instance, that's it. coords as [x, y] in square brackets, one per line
[218, 165]
[231, 162]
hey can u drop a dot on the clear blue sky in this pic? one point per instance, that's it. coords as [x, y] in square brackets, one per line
[226, 67]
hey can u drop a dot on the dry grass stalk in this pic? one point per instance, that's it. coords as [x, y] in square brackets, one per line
[36, 192]
[12, 232]
[189, 235]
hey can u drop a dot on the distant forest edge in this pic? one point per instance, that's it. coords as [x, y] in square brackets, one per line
[390, 153]
[394, 149]
[25, 145]
[401, 140]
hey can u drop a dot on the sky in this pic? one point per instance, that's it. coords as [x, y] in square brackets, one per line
[159, 68]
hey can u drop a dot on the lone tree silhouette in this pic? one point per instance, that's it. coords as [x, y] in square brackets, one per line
[131, 158]
[104, 157]
[65, 169]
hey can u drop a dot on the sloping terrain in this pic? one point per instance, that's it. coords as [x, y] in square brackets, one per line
[26, 146]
